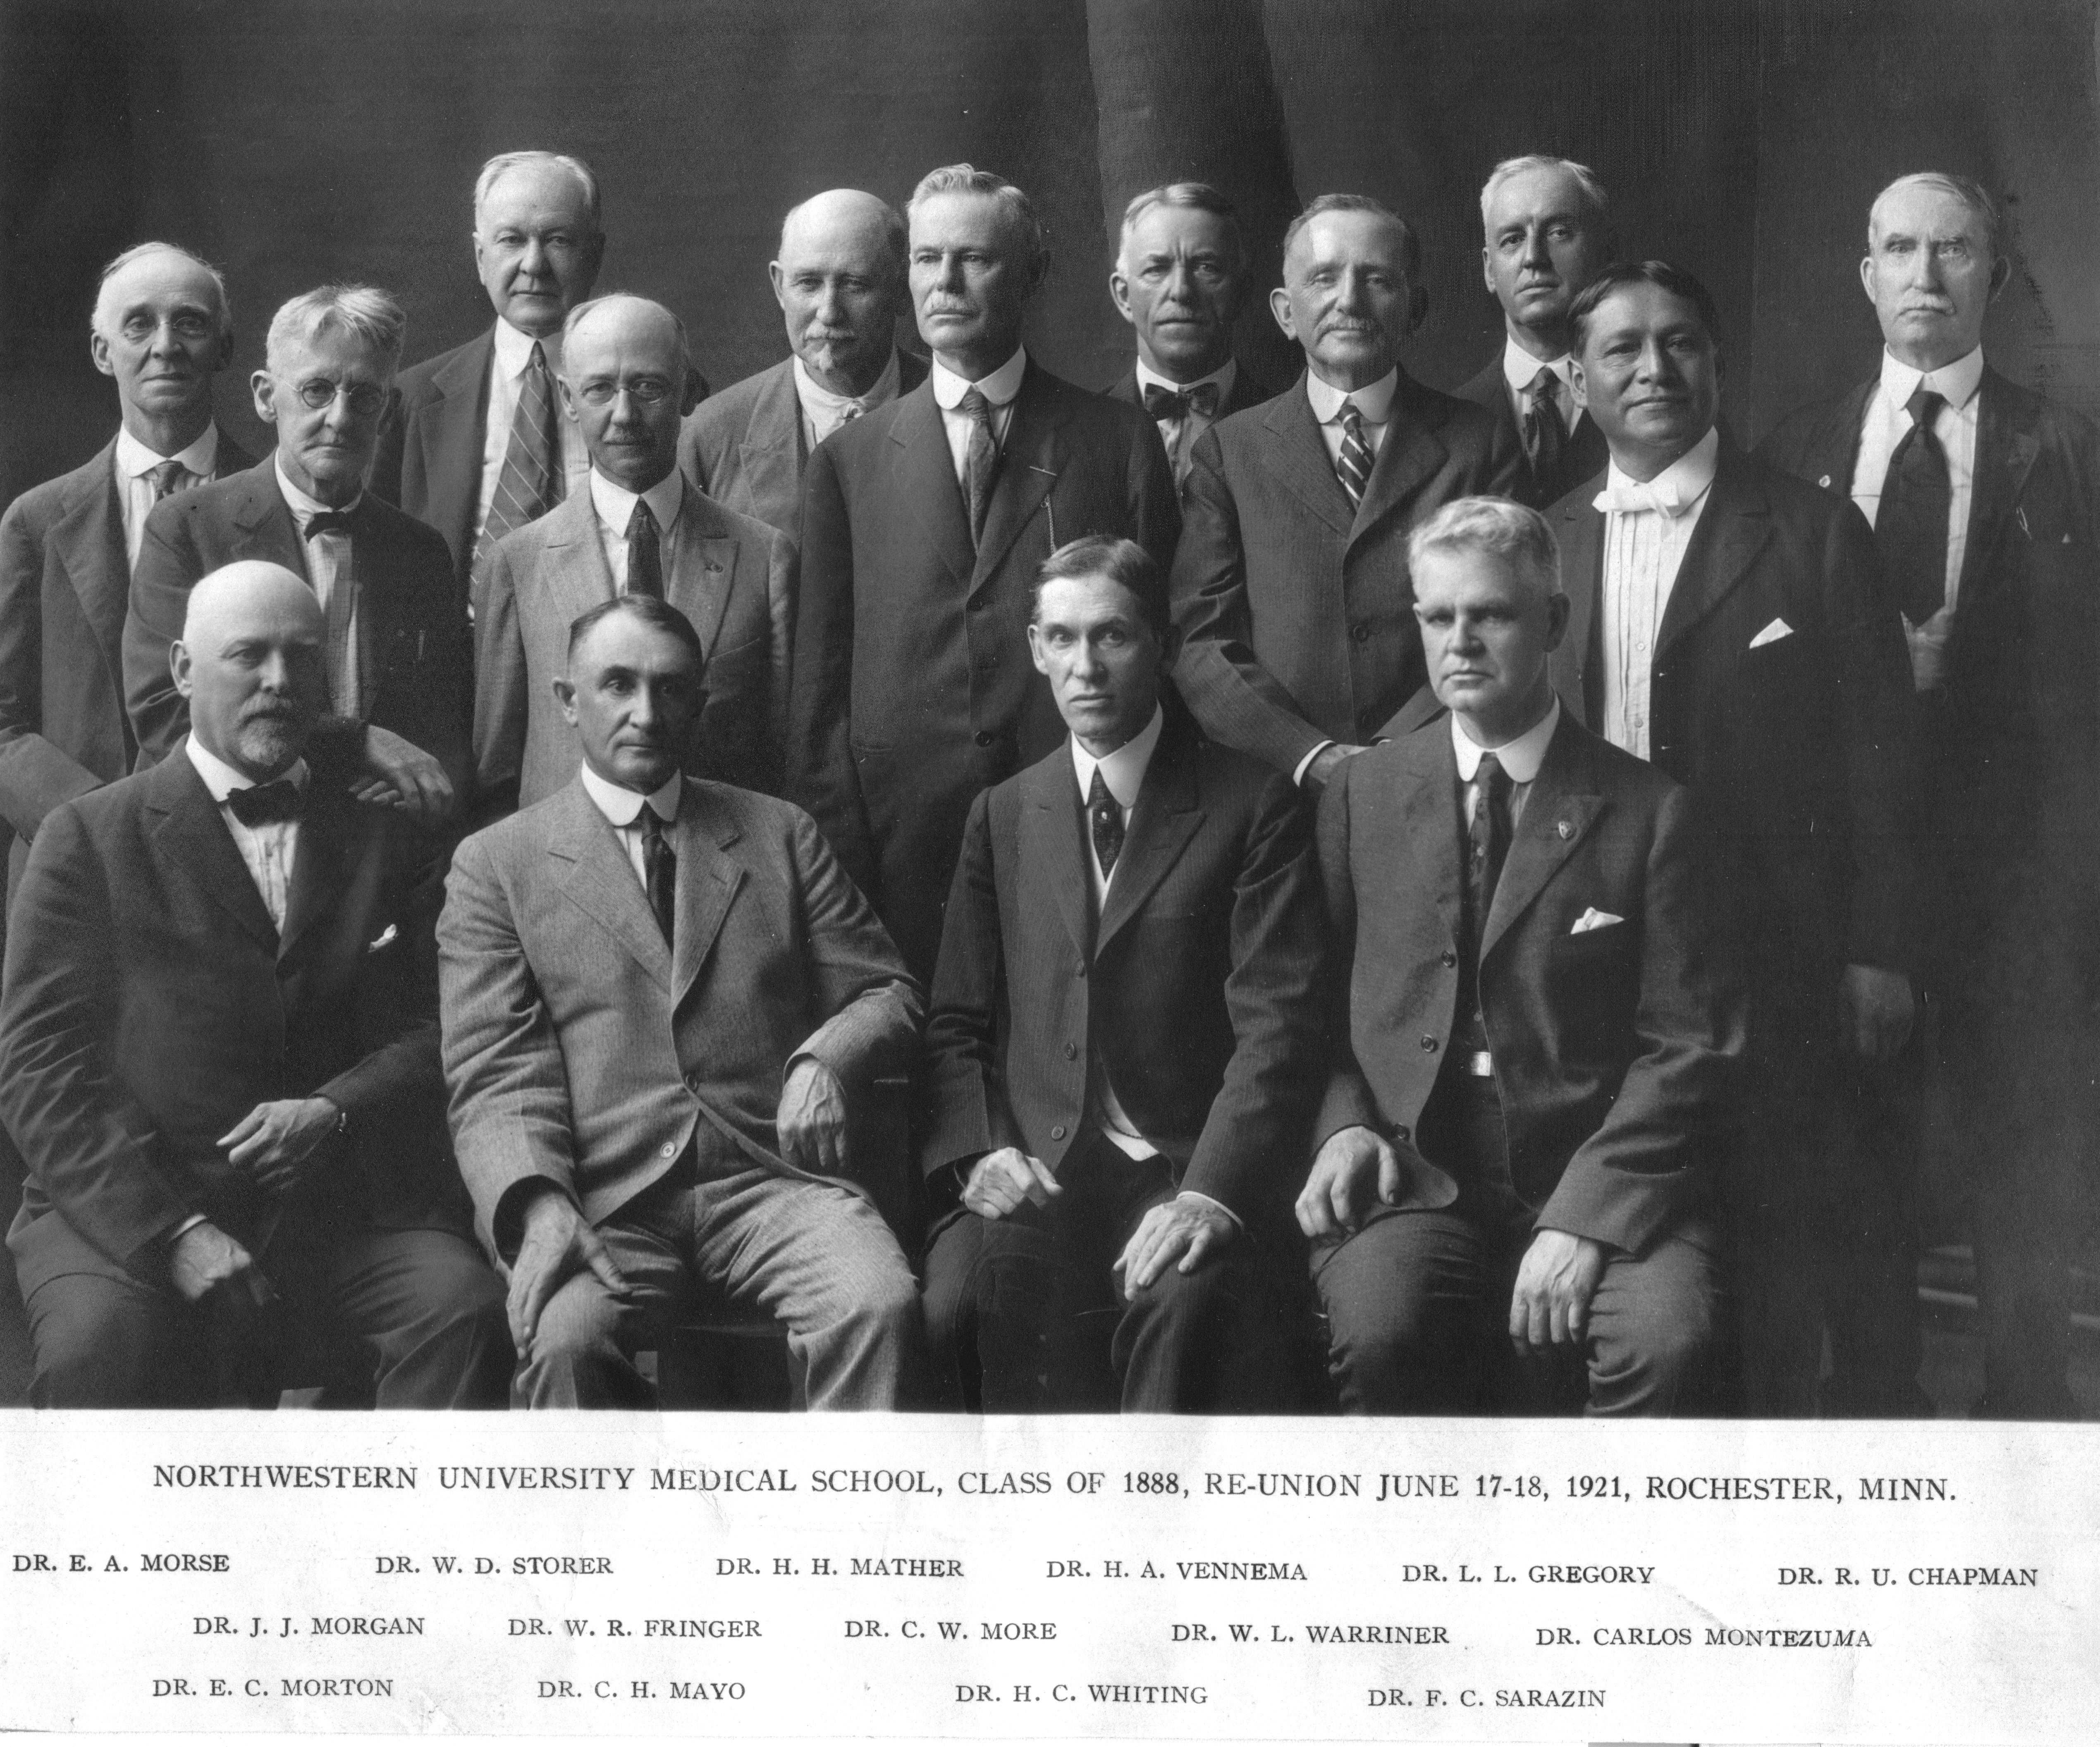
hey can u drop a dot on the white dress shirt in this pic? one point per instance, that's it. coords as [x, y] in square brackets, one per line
[329, 567]
[1643, 549]
[998, 388]
[268, 851]
[1374, 405]
[622, 808]
[1520, 369]
[615, 504]
[514, 352]
[1887, 424]
[823, 412]
[135, 479]
[1180, 435]
[1520, 758]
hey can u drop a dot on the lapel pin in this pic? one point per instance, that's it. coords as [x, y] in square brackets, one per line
[1565, 829]
[1824, 481]
[711, 565]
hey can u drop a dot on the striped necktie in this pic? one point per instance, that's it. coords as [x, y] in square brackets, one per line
[1354, 465]
[530, 482]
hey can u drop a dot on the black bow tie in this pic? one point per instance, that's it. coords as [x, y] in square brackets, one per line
[328, 521]
[1168, 403]
[266, 803]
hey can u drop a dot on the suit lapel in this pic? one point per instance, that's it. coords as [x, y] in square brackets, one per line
[703, 562]
[320, 874]
[1299, 457]
[451, 438]
[1411, 453]
[1581, 532]
[1732, 530]
[601, 882]
[1031, 459]
[1558, 814]
[1167, 814]
[708, 881]
[771, 455]
[575, 573]
[1053, 855]
[1426, 775]
[262, 515]
[2004, 453]
[89, 535]
[926, 480]
[195, 849]
[1833, 450]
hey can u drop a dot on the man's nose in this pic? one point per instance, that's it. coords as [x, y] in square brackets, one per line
[1536, 254]
[1180, 285]
[533, 259]
[165, 342]
[1656, 363]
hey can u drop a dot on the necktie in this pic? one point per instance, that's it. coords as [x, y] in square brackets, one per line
[530, 482]
[1545, 436]
[645, 553]
[1662, 496]
[981, 464]
[1910, 526]
[1105, 822]
[266, 803]
[328, 522]
[1354, 465]
[333, 572]
[166, 478]
[1177, 405]
[1489, 838]
[659, 865]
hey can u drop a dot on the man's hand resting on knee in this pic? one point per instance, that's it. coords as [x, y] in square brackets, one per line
[556, 1242]
[1189, 1227]
[1555, 1283]
[1000, 1181]
[1353, 1165]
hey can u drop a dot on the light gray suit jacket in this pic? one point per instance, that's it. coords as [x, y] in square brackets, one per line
[581, 1050]
[719, 570]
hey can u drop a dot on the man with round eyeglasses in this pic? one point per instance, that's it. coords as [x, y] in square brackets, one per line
[396, 647]
[638, 527]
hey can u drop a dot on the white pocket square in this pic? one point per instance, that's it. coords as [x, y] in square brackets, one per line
[386, 939]
[1592, 919]
[1771, 633]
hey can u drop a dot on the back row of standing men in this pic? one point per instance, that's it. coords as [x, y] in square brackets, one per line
[858, 537]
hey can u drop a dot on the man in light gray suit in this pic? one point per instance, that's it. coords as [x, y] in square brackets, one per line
[840, 283]
[638, 527]
[662, 998]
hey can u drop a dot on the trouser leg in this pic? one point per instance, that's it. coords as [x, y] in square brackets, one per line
[430, 1313]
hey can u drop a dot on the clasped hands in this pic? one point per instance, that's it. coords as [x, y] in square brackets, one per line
[1555, 1281]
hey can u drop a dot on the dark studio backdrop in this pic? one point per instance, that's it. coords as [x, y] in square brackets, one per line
[297, 141]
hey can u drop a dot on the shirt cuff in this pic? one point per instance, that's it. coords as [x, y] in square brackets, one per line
[195, 1220]
[1305, 764]
[1212, 1200]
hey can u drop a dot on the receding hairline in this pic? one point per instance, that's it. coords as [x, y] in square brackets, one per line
[1974, 197]
[868, 210]
[590, 306]
[1584, 178]
[1183, 196]
[1353, 205]
[148, 251]
[580, 173]
[225, 589]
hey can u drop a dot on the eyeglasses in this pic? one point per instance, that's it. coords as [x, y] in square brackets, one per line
[648, 392]
[319, 393]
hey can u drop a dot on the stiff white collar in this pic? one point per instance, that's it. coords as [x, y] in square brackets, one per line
[1374, 403]
[134, 458]
[513, 349]
[1224, 376]
[1521, 757]
[998, 388]
[1955, 383]
[819, 402]
[615, 503]
[221, 778]
[1123, 770]
[622, 806]
[1520, 369]
[1672, 491]
[305, 507]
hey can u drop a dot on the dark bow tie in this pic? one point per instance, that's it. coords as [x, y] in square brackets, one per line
[1168, 403]
[266, 803]
[328, 521]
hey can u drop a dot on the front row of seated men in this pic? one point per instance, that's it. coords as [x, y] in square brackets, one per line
[654, 1001]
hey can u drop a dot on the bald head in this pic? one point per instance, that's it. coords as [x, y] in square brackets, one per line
[840, 283]
[627, 380]
[251, 662]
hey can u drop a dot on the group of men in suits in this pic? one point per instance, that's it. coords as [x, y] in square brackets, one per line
[1590, 1009]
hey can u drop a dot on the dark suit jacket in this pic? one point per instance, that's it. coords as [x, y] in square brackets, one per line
[429, 457]
[1296, 611]
[1614, 1049]
[744, 447]
[913, 689]
[1797, 752]
[581, 1050]
[1201, 987]
[718, 570]
[412, 625]
[64, 584]
[1586, 456]
[2009, 822]
[150, 1005]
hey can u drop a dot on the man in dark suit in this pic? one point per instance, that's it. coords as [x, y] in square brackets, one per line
[1181, 279]
[1532, 1044]
[662, 1000]
[162, 330]
[1983, 499]
[1123, 1036]
[476, 445]
[840, 283]
[398, 674]
[1289, 588]
[1728, 623]
[923, 527]
[218, 1049]
[1548, 224]
[637, 526]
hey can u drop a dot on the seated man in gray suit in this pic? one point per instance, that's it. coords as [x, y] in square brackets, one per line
[661, 998]
[636, 527]
[840, 283]
[1533, 1052]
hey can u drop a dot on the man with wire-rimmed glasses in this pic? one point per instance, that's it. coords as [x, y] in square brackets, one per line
[396, 645]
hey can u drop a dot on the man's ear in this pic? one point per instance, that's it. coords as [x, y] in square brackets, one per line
[98, 348]
[1279, 307]
[780, 281]
[1577, 383]
[569, 400]
[565, 696]
[180, 666]
[2001, 276]
[264, 389]
[688, 391]
[1035, 650]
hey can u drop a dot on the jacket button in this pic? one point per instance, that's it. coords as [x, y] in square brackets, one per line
[669, 1149]
[1400, 1134]
[1429, 1043]
[1080, 972]
[1071, 1052]
[1058, 1133]
[1362, 634]
[1450, 961]
[985, 737]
